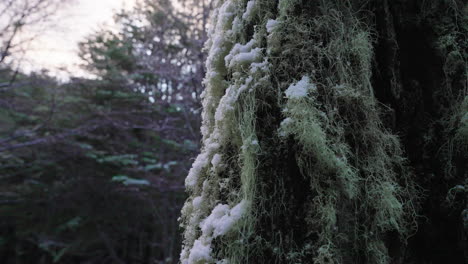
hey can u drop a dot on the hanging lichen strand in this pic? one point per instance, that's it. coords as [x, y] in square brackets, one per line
[296, 166]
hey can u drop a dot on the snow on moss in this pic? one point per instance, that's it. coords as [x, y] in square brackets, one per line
[249, 10]
[237, 25]
[252, 63]
[245, 57]
[286, 122]
[197, 201]
[200, 162]
[259, 66]
[218, 46]
[222, 218]
[227, 102]
[218, 223]
[243, 54]
[216, 161]
[240, 54]
[271, 25]
[285, 127]
[300, 89]
[204, 216]
[200, 252]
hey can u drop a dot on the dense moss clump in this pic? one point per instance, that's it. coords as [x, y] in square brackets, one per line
[308, 152]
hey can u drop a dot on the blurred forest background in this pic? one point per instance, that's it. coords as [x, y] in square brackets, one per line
[92, 169]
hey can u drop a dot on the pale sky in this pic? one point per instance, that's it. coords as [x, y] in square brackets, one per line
[57, 47]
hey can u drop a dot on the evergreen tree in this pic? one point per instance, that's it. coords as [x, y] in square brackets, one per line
[333, 132]
[92, 170]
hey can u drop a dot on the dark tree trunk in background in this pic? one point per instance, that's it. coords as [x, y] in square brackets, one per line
[420, 72]
[333, 132]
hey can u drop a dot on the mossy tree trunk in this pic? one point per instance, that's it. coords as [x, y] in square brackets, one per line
[427, 51]
[333, 132]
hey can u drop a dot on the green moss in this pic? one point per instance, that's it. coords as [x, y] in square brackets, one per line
[344, 149]
[461, 136]
[358, 186]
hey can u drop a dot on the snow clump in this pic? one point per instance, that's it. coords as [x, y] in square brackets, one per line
[271, 25]
[242, 54]
[249, 10]
[300, 89]
[222, 219]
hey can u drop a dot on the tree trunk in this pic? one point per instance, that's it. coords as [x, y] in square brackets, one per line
[333, 132]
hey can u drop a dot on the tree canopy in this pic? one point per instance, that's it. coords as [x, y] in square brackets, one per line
[92, 169]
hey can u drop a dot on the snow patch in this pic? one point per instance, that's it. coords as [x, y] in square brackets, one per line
[197, 201]
[222, 219]
[227, 102]
[259, 66]
[202, 161]
[184, 254]
[198, 165]
[249, 10]
[218, 223]
[201, 251]
[242, 54]
[286, 122]
[236, 25]
[216, 160]
[271, 25]
[300, 89]
[285, 126]
[245, 57]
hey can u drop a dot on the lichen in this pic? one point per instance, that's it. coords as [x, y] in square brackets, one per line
[289, 101]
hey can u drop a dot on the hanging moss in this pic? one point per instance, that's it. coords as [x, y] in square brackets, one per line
[301, 162]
